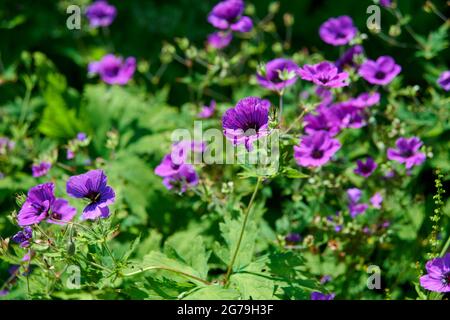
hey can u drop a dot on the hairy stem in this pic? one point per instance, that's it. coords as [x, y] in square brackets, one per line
[244, 224]
[166, 269]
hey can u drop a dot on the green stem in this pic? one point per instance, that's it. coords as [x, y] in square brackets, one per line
[280, 108]
[445, 248]
[166, 269]
[244, 224]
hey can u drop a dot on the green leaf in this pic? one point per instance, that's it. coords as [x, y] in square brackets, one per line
[213, 292]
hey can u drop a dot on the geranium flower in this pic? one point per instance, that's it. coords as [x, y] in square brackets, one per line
[323, 120]
[355, 208]
[207, 111]
[382, 71]
[366, 99]
[315, 150]
[338, 31]
[41, 204]
[41, 169]
[365, 169]
[438, 275]
[93, 187]
[376, 200]
[321, 296]
[228, 15]
[113, 70]
[247, 121]
[101, 13]
[444, 80]
[219, 40]
[278, 74]
[407, 152]
[23, 237]
[324, 74]
[348, 57]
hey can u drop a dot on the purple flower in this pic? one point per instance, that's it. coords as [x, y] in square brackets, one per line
[325, 279]
[315, 150]
[100, 14]
[41, 169]
[186, 177]
[382, 71]
[355, 208]
[278, 74]
[247, 121]
[366, 99]
[41, 204]
[23, 237]
[348, 115]
[438, 277]
[293, 238]
[338, 31]
[407, 152]
[325, 95]
[338, 228]
[324, 120]
[365, 169]
[386, 3]
[70, 154]
[6, 145]
[376, 200]
[320, 296]
[4, 292]
[444, 80]
[348, 58]
[207, 111]
[93, 187]
[219, 40]
[113, 70]
[81, 136]
[228, 15]
[324, 74]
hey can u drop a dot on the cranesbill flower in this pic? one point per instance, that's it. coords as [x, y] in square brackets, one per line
[348, 57]
[41, 169]
[366, 99]
[376, 200]
[23, 237]
[338, 31]
[100, 14]
[321, 296]
[41, 204]
[113, 70]
[293, 238]
[247, 121]
[324, 120]
[70, 154]
[407, 152]
[6, 145]
[324, 74]
[355, 208]
[444, 80]
[278, 74]
[382, 71]
[185, 178]
[93, 187]
[228, 15]
[219, 40]
[386, 3]
[315, 150]
[365, 169]
[81, 136]
[207, 111]
[348, 115]
[438, 275]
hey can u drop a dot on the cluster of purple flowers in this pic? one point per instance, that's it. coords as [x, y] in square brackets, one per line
[355, 207]
[177, 173]
[41, 203]
[227, 16]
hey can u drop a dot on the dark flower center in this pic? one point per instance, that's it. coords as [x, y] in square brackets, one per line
[446, 279]
[323, 79]
[251, 129]
[340, 35]
[317, 154]
[407, 153]
[380, 75]
[56, 216]
[366, 168]
[94, 196]
[112, 71]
